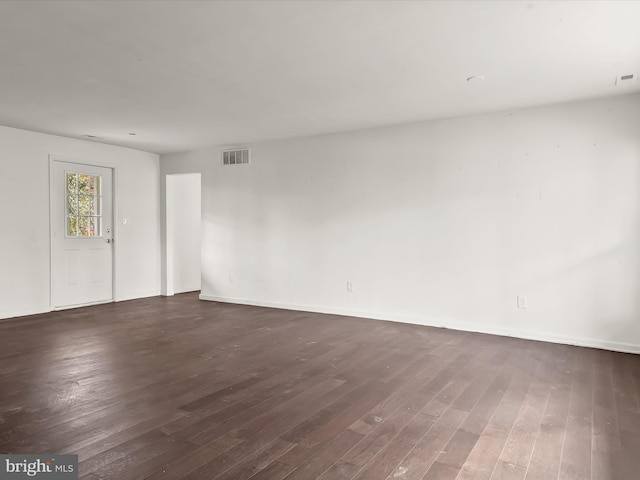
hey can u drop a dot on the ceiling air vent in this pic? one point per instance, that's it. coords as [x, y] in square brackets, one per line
[236, 157]
[626, 79]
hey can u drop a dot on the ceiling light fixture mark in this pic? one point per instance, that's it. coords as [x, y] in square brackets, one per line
[627, 79]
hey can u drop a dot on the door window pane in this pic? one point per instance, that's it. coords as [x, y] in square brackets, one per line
[83, 199]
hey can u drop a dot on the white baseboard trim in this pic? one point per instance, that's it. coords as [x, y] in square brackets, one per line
[22, 313]
[467, 327]
[81, 305]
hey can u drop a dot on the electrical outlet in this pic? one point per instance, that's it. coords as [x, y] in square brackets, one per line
[349, 287]
[231, 278]
[522, 302]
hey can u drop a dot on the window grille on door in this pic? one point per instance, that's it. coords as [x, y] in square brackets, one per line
[83, 205]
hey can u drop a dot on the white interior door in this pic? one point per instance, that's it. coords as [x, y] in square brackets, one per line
[82, 238]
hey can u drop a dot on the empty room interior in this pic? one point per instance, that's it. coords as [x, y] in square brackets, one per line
[331, 240]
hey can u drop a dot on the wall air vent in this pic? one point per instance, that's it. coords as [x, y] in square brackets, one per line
[236, 156]
[626, 79]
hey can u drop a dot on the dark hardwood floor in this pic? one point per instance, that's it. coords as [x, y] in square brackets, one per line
[175, 388]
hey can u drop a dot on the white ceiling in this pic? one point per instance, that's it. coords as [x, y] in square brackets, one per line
[186, 75]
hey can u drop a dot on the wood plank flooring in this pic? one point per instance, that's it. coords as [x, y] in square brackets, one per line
[174, 388]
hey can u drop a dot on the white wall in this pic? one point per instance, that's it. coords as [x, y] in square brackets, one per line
[183, 231]
[441, 223]
[24, 216]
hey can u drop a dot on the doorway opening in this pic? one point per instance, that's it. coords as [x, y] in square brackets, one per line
[183, 227]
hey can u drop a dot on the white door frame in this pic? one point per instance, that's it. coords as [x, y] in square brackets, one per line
[114, 197]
